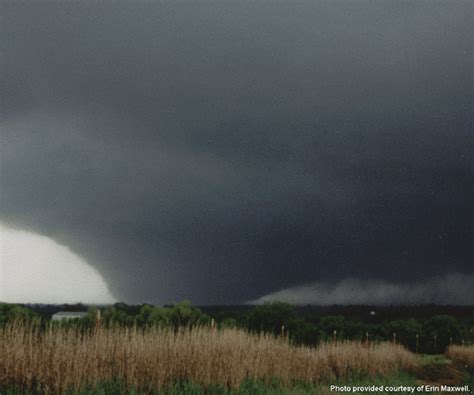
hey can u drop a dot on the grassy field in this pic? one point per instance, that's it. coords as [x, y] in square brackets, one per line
[248, 387]
[462, 354]
[197, 360]
[204, 360]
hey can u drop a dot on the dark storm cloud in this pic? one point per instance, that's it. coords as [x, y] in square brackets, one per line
[224, 151]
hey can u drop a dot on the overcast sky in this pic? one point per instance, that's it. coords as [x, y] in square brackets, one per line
[225, 152]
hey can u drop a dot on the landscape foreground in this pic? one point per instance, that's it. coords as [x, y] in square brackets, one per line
[61, 359]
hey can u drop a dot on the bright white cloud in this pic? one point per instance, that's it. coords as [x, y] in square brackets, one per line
[454, 288]
[36, 269]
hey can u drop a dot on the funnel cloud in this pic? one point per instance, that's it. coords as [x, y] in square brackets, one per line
[221, 151]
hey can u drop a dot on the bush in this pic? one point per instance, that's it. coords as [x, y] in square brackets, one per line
[12, 312]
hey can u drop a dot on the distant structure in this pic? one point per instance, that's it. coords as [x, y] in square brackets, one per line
[68, 315]
[373, 312]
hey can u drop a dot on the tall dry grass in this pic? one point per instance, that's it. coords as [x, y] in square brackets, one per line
[463, 354]
[61, 358]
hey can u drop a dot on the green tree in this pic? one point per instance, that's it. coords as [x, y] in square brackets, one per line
[327, 325]
[11, 312]
[184, 314]
[305, 333]
[228, 323]
[438, 332]
[405, 331]
[270, 317]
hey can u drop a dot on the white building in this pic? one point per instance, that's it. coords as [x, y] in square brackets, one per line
[68, 315]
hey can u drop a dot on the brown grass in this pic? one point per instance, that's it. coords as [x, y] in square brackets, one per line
[463, 354]
[63, 358]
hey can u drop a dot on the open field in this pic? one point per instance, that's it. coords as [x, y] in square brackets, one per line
[62, 359]
[269, 349]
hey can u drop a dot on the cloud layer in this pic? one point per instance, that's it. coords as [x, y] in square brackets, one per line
[219, 151]
[452, 289]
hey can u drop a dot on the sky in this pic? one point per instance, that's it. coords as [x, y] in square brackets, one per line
[232, 152]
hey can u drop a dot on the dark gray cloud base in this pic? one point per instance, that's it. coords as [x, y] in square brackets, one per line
[223, 151]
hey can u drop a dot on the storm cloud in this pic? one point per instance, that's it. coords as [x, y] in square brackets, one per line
[452, 289]
[221, 151]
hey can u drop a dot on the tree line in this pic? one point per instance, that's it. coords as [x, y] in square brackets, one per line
[428, 335]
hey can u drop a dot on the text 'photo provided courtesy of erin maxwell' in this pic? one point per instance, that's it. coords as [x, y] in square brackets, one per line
[465, 389]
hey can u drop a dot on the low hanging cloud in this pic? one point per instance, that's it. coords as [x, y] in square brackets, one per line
[219, 151]
[453, 289]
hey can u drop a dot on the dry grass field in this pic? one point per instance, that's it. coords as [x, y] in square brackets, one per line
[58, 359]
[462, 354]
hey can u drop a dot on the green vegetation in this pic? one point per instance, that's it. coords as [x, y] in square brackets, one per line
[430, 335]
[11, 312]
[282, 325]
[430, 359]
[179, 315]
[249, 387]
